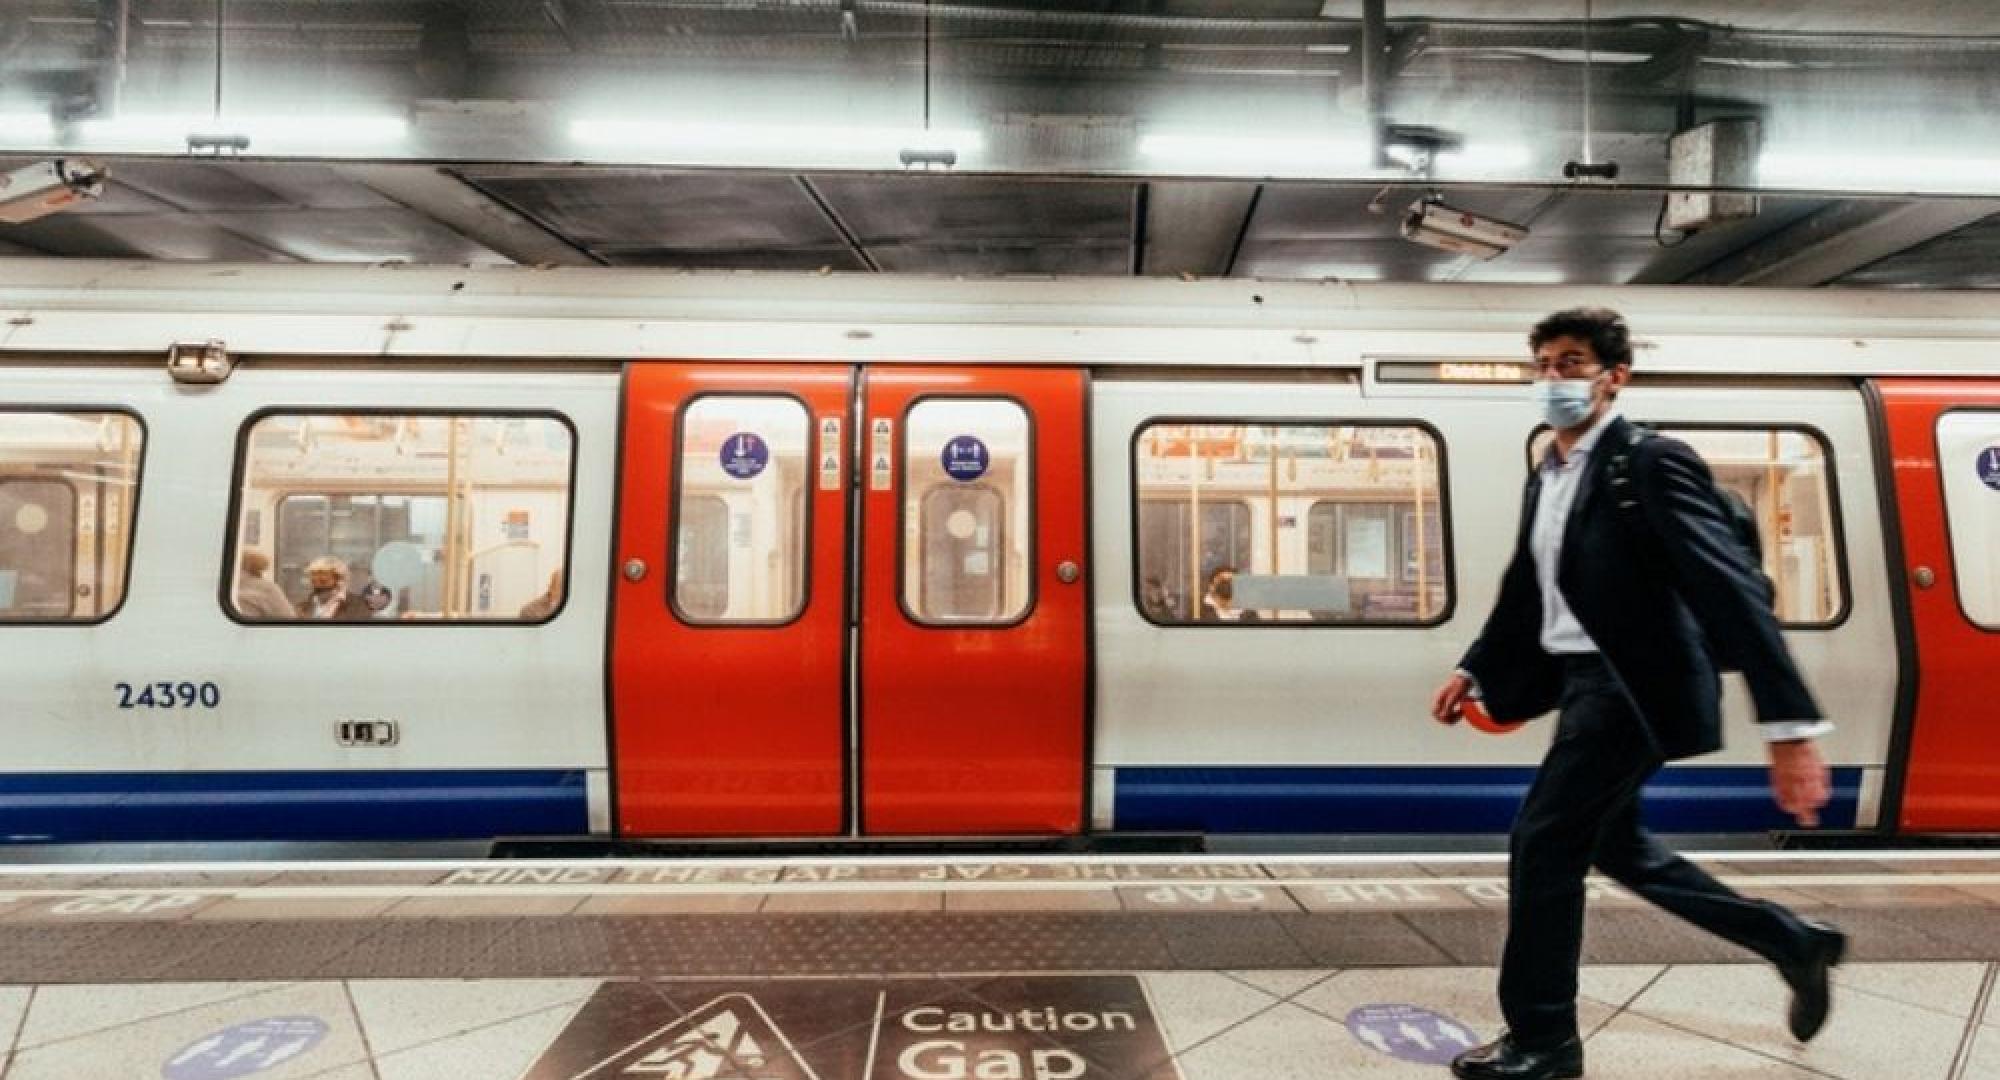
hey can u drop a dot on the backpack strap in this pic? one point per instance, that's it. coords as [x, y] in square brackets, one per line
[1623, 490]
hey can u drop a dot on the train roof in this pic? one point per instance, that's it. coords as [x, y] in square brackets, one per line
[79, 308]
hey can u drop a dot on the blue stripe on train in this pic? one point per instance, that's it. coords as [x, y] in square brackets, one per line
[384, 805]
[1413, 799]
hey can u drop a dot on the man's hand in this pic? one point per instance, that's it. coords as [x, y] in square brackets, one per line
[1445, 708]
[1799, 779]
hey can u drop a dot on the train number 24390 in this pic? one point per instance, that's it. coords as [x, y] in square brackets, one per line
[169, 695]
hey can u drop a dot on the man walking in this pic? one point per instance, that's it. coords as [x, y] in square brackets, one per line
[1627, 587]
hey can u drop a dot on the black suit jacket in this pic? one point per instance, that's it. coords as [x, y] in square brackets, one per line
[1664, 591]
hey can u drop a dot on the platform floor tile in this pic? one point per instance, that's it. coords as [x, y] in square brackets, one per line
[69, 1012]
[503, 1049]
[1952, 989]
[1288, 1042]
[329, 1038]
[1635, 1047]
[1866, 1038]
[1982, 1061]
[1283, 984]
[400, 1014]
[1706, 1022]
[1195, 1006]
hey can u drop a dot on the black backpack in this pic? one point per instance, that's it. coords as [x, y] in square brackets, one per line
[1742, 520]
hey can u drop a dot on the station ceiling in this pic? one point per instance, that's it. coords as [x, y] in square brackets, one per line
[1879, 127]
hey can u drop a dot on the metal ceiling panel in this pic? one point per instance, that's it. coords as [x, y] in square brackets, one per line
[708, 219]
[1967, 259]
[183, 238]
[841, 259]
[1320, 259]
[1562, 260]
[199, 185]
[356, 236]
[979, 225]
[1001, 257]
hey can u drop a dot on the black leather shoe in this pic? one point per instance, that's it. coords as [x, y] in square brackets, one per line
[1501, 1059]
[1812, 990]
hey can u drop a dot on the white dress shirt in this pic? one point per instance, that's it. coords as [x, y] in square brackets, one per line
[1562, 481]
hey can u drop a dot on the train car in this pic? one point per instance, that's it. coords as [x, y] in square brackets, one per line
[429, 553]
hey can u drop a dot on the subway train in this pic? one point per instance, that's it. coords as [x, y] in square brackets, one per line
[395, 553]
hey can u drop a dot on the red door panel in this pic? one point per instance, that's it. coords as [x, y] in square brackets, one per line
[722, 728]
[973, 674]
[1953, 783]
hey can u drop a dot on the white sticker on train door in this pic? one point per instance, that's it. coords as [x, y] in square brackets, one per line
[829, 453]
[881, 440]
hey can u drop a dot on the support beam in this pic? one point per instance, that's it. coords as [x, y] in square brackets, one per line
[1193, 227]
[1840, 239]
[459, 206]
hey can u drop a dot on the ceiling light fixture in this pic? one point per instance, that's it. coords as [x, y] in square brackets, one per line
[297, 133]
[26, 125]
[1237, 155]
[1877, 170]
[777, 144]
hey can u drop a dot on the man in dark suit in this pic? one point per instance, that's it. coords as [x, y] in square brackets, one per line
[1617, 607]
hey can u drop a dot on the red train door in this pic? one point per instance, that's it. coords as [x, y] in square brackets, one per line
[1944, 441]
[729, 638]
[974, 601]
[738, 604]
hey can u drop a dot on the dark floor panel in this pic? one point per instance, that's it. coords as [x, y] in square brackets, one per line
[1205, 943]
[1364, 939]
[1648, 937]
[966, 945]
[417, 948]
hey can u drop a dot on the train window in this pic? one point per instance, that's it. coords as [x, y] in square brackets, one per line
[1969, 461]
[1782, 475]
[372, 517]
[740, 554]
[68, 483]
[967, 520]
[1290, 523]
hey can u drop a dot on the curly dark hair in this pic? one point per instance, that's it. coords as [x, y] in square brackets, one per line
[1604, 328]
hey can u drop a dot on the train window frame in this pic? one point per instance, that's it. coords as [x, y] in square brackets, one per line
[1944, 510]
[673, 538]
[1446, 611]
[902, 494]
[232, 537]
[132, 513]
[1836, 519]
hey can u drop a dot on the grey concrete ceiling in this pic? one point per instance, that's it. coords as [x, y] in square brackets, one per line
[488, 165]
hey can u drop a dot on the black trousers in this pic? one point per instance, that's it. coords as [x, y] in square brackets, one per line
[1582, 811]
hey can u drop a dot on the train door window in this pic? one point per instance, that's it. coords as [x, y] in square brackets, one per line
[1782, 475]
[68, 486]
[968, 527]
[1969, 461]
[1171, 580]
[740, 555]
[380, 517]
[1328, 523]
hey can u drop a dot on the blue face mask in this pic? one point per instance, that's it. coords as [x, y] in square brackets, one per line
[1564, 403]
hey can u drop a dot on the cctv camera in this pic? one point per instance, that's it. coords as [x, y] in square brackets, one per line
[45, 187]
[1430, 221]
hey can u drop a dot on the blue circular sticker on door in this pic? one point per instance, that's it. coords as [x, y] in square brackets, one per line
[245, 1049]
[1410, 1032]
[965, 458]
[744, 455]
[1989, 467]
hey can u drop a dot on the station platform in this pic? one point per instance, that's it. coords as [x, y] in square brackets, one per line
[1036, 968]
